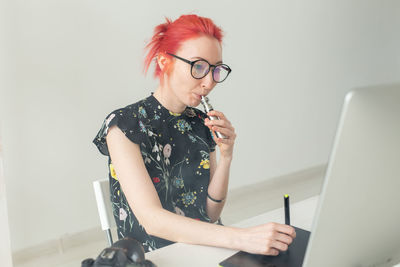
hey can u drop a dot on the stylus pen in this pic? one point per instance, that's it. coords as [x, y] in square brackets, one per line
[287, 210]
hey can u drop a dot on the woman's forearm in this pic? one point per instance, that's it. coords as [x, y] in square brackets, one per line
[267, 239]
[218, 188]
[177, 228]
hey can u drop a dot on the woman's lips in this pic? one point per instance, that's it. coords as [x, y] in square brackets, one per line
[197, 96]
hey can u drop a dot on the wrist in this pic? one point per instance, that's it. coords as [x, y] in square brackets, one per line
[225, 158]
[237, 238]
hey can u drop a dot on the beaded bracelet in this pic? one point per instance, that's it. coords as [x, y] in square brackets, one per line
[215, 200]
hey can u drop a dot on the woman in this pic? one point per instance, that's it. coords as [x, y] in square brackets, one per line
[165, 181]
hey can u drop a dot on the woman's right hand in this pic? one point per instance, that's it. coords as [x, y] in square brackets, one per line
[267, 239]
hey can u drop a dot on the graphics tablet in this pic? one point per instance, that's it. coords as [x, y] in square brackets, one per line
[293, 257]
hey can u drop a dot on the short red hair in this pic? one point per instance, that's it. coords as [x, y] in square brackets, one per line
[169, 36]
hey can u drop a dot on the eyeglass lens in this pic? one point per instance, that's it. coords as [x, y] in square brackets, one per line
[201, 68]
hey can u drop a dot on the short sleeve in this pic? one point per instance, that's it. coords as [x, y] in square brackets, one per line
[127, 121]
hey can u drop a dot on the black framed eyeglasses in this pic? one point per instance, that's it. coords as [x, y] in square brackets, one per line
[201, 67]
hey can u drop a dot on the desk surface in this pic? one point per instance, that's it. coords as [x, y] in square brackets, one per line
[179, 254]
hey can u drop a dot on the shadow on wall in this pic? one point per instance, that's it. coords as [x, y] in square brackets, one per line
[5, 250]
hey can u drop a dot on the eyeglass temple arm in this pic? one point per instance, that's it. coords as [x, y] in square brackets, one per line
[185, 60]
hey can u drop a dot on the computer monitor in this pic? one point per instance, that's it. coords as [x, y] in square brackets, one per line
[357, 222]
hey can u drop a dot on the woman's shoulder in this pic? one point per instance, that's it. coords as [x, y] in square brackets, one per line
[136, 108]
[128, 119]
[140, 103]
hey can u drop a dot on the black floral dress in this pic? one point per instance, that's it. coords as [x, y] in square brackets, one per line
[176, 152]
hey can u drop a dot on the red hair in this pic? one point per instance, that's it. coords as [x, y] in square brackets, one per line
[169, 36]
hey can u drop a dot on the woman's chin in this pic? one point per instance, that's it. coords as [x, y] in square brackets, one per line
[195, 100]
[194, 103]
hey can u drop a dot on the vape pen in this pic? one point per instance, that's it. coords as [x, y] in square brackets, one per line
[207, 107]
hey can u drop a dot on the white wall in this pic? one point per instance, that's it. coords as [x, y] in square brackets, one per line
[77, 60]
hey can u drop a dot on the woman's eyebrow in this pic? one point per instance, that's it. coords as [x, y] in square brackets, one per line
[205, 59]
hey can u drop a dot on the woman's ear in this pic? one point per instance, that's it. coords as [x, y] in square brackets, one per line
[163, 61]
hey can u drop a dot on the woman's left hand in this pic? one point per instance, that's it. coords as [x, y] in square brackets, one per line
[224, 126]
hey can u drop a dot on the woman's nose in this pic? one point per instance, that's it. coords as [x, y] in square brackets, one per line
[207, 82]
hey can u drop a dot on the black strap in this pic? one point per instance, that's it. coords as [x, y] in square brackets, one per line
[215, 200]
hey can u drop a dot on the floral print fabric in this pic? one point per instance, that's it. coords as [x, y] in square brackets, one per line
[176, 152]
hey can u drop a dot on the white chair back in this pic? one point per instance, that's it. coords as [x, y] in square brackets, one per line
[102, 194]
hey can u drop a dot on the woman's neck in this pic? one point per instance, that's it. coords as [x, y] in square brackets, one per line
[169, 100]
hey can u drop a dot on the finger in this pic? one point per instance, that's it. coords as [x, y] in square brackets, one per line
[286, 229]
[223, 123]
[225, 131]
[207, 121]
[282, 228]
[218, 126]
[224, 141]
[272, 252]
[216, 113]
[284, 238]
[279, 245]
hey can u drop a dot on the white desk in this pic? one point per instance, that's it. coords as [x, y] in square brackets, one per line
[182, 255]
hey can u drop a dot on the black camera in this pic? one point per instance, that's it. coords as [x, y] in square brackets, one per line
[126, 252]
